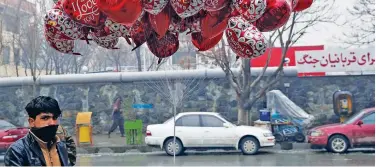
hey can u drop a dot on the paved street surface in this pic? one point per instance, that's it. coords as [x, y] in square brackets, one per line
[265, 158]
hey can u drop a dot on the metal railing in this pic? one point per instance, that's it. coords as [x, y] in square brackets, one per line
[116, 77]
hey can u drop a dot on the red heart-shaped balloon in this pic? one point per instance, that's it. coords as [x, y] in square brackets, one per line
[204, 44]
[121, 11]
[194, 22]
[118, 29]
[187, 8]
[154, 6]
[177, 25]
[140, 31]
[294, 3]
[245, 39]
[59, 26]
[108, 44]
[164, 47]
[302, 5]
[63, 46]
[214, 23]
[85, 12]
[160, 22]
[234, 12]
[276, 15]
[58, 4]
[215, 5]
[251, 10]
[105, 39]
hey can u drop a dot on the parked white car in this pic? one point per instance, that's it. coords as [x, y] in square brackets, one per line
[207, 130]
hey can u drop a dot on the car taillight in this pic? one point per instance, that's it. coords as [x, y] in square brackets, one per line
[148, 133]
[9, 138]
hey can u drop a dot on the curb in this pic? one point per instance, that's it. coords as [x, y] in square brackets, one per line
[115, 149]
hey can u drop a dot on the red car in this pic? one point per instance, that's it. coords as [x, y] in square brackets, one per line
[357, 131]
[9, 134]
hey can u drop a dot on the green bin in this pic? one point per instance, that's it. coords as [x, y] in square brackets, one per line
[133, 131]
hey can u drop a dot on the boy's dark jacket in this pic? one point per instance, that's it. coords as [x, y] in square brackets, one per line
[26, 152]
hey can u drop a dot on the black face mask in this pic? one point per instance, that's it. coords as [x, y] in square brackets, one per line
[46, 133]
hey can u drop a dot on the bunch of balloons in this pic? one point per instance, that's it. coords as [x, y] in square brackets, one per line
[159, 22]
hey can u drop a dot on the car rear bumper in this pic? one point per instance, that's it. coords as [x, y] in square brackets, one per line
[318, 141]
[267, 142]
[153, 141]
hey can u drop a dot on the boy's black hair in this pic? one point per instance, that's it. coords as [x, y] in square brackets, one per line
[43, 104]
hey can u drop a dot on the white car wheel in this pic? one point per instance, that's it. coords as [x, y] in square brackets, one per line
[169, 147]
[249, 145]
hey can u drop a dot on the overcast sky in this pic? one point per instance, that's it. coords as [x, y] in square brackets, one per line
[323, 34]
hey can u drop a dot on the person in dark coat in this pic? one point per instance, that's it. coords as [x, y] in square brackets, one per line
[117, 118]
[41, 146]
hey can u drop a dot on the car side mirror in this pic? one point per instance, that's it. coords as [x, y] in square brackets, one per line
[359, 123]
[226, 125]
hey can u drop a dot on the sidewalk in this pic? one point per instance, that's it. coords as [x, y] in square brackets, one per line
[114, 144]
[114, 140]
[117, 144]
[102, 140]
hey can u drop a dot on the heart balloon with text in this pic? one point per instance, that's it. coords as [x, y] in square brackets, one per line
[245, 39]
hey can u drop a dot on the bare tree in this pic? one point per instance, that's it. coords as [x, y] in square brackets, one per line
[96, 63]
[361, 24]
[49, 52]
[9, 28]
[249, 90]
[31, 40]
[120, 56]
[2, 40]
[14, 38]
[154, 64]
[138, 57]
[76, 63]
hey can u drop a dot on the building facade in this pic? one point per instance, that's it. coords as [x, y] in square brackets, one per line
[12, 14]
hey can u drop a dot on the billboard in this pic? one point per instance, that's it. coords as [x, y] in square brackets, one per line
[335, 62]
[277, 55]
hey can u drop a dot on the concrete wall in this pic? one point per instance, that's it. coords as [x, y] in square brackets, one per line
[313, 94]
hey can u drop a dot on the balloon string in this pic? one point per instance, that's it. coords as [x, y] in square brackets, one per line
[136, 47]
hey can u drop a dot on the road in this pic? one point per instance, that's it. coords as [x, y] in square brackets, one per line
[265, 158]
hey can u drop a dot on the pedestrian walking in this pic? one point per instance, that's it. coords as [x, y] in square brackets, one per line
[117, 118]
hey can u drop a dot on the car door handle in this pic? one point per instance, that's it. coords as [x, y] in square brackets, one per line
[206, 131]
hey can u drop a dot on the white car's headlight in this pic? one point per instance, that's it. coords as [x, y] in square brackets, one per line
[268, 134]
[316, 133]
